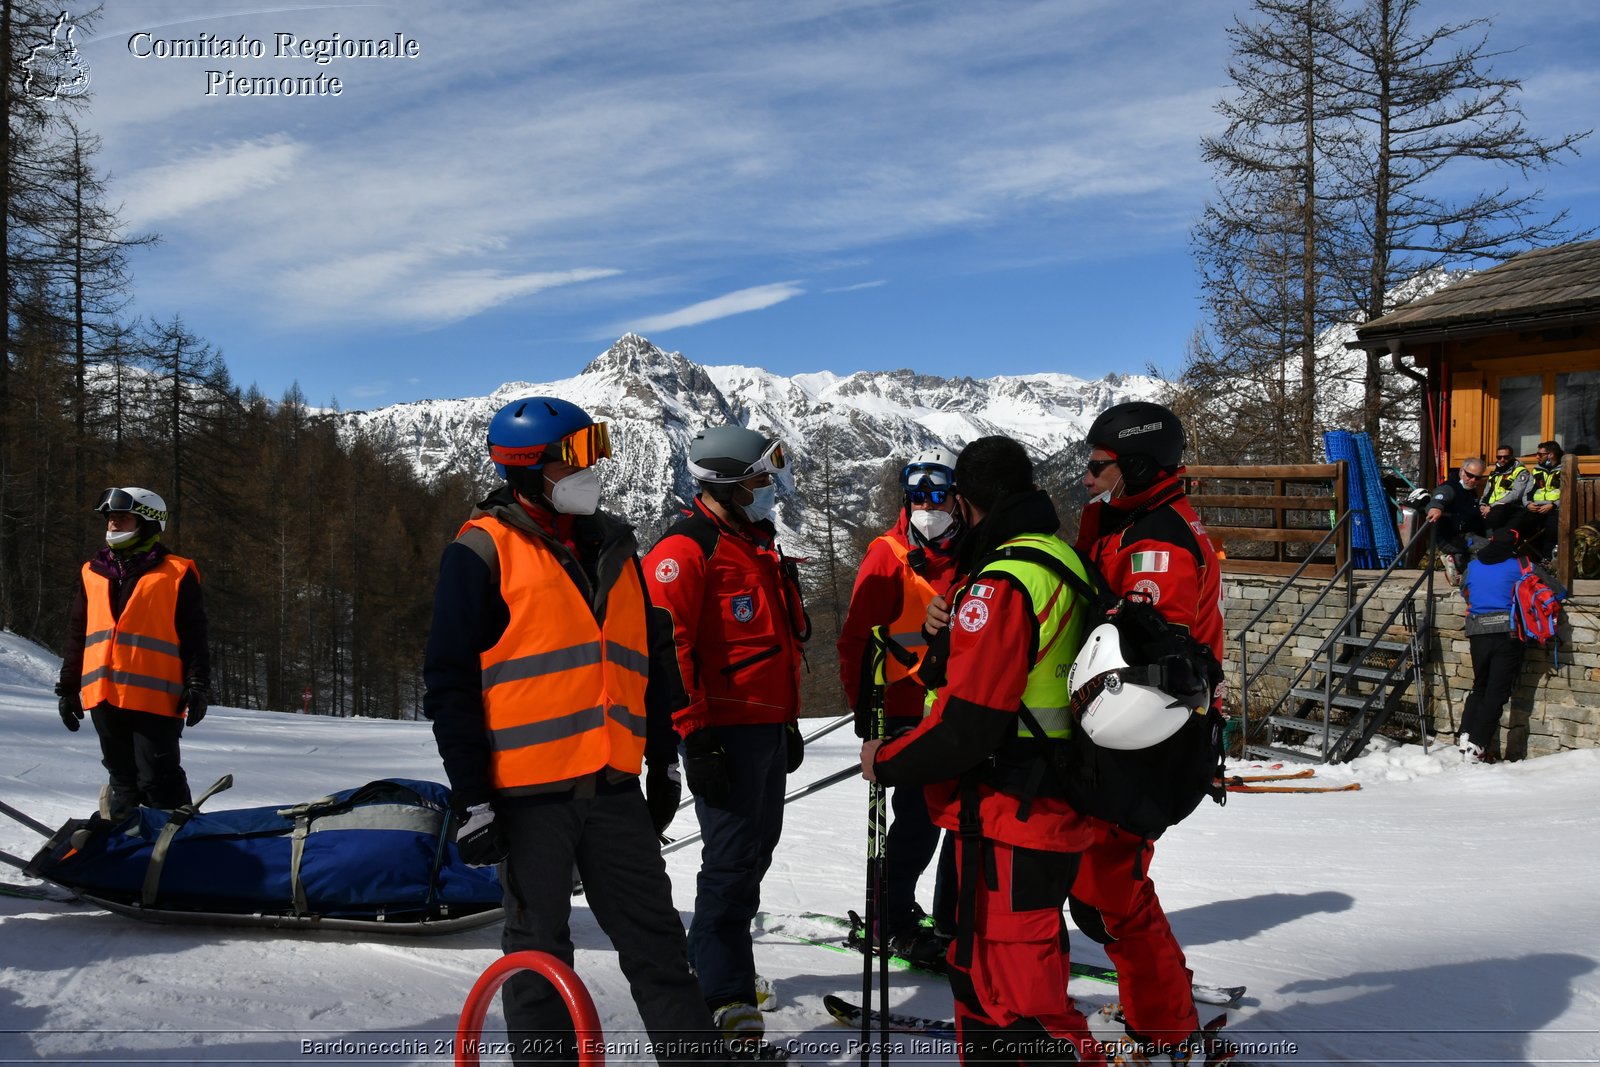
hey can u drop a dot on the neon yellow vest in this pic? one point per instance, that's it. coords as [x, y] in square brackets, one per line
[1061, 622]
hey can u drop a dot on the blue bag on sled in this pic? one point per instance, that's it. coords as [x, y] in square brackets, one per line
[380, 856]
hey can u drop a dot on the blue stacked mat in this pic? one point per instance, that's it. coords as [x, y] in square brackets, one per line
[1374, 543]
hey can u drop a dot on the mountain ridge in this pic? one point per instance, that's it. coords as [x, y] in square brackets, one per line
[846, 432]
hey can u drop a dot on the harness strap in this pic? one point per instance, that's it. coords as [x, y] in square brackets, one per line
[150, 891]
[972, 845]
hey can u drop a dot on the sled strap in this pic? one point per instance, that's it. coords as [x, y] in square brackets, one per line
[175, 822]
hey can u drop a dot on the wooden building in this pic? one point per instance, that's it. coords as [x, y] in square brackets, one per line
[1511, 356]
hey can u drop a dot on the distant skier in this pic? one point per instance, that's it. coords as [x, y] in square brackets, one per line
[137, 655]
[546, 699]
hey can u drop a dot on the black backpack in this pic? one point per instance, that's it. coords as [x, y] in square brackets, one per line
[1147, 790]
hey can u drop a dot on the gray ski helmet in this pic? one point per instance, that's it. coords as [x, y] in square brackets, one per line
[726, 455]
[1146, 438]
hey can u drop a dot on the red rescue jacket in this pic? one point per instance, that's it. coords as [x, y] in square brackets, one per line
[737, 618]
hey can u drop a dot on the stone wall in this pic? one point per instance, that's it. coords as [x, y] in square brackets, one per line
[1556, 705]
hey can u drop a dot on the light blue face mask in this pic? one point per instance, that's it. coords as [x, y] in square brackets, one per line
[763, 500]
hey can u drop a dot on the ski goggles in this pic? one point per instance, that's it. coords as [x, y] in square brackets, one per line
[113, 500]
[936, 497]
[774, 461]
[581, 448]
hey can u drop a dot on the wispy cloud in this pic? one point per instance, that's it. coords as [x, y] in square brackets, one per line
[209, 178]
[719, 307]
[858, 286]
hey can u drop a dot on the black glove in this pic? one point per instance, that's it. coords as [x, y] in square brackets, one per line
[663, 789]
[479, 837]
[71, 709]
[194, 701]
[796, 747]
[705, 765]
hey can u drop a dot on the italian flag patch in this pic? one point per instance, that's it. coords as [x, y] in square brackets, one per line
[1149, 562]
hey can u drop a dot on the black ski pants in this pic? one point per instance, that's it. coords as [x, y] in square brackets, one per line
[140, 751]
[610, 837]
[1496, 665]
[913, 839]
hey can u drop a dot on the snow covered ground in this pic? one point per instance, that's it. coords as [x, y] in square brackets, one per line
[1442, 914]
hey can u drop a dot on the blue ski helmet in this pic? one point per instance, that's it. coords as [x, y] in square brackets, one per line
[519, 432]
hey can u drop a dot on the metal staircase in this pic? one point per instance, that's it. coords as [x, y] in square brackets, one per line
[1355, 680]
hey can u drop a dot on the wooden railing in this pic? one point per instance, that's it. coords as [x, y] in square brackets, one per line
[1219, 492]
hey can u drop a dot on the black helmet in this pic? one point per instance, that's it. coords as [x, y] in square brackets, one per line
[1146, 438]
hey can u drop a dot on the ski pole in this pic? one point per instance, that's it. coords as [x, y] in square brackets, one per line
[793, 795]
[871, 690]
[31, 823]
[845, 719]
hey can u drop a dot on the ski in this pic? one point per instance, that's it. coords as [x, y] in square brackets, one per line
[1248, 788]
[1284, 776]
[54, 894]
[1224, 996]
[850, 1015]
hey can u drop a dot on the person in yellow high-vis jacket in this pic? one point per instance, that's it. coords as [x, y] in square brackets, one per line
[137, 655]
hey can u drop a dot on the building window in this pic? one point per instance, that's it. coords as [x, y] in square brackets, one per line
[1578, 412]
[1521, 397]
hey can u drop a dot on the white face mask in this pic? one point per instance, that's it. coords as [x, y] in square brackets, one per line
[114, 538]
[932, 525]
[762, 501]
[576, 494]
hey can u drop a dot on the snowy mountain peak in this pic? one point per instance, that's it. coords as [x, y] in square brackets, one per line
[843, 431]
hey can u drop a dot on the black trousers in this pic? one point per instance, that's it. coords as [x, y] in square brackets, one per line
[140, 751]
[1538, 529]
[610, 838]
[1496, 665]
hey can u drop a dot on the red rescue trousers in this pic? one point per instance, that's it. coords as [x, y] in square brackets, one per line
[1012, 1005]
[1152, 975]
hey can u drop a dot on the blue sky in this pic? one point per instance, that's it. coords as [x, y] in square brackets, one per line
[956, 187]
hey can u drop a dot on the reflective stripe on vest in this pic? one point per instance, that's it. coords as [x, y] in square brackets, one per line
[1061, 630]
[563, 696]
[1500, 485]
[134, 661]
[916, 592]
[1547, 485]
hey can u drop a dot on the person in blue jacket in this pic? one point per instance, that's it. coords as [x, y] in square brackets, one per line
[1490, 588]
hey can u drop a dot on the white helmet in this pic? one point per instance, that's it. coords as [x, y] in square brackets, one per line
[1112, 708]
[141, 502]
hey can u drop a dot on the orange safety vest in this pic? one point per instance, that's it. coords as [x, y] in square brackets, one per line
[905, 630]
[133, 661]
[563, 695]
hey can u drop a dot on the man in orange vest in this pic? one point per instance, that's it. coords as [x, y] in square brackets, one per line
[547, 700]
[137, 655]
[739, 623]
[903, 570]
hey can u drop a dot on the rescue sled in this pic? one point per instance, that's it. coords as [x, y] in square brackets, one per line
[379, 857]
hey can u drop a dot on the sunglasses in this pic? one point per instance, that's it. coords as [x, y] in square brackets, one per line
[936, 497]
[1096, 467]
[1465, 475]
[581, 448]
